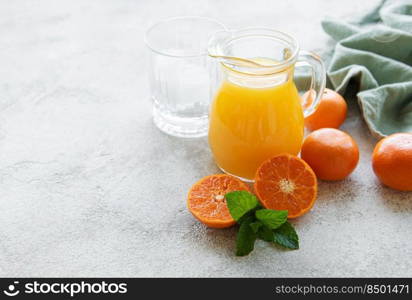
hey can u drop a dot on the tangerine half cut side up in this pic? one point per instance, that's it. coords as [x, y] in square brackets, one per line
[206, 199]
[286, 182]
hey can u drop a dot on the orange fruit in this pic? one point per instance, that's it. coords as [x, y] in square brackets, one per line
[206, 199]
[332, 153]
[286, 182]
[392, 161]
[331, 111]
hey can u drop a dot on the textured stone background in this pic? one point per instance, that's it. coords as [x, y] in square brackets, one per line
[89, 187]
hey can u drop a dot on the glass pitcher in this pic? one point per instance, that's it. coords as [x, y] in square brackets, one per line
[257, 112]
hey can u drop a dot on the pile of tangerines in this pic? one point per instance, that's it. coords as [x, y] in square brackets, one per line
[287, 182]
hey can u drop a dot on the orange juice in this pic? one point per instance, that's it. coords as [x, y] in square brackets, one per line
[250, 124]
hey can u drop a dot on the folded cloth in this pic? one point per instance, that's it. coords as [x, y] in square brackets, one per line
[376, 52]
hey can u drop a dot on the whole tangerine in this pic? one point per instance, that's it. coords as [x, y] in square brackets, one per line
[330, 113]
[332, 153]
[392, 161]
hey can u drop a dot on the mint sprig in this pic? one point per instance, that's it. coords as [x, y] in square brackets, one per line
[272, 218]
[245, 239]
[240, 203]
[266, 234]
[256, 222]
[286, 236]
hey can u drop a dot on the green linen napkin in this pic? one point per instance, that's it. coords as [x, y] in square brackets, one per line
[376, 52]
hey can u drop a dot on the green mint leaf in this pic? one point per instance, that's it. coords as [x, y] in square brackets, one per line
[250, 213]
[266, 234]
[255, 226]
[245, 239]
[240, 203]
[272, 218]
[286, 236]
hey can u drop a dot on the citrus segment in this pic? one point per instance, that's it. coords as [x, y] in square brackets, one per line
[286, 182]
[206, 199]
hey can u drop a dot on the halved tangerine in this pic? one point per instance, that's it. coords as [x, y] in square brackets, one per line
[206, 199]
[286, 182]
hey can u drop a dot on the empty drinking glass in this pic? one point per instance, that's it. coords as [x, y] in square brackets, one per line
[180, 74]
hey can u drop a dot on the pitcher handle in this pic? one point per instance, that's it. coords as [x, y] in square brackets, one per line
[318, 80]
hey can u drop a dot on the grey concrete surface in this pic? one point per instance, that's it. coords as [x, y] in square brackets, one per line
[89, 187]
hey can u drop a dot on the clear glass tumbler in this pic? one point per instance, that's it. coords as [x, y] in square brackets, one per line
[180, 74]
